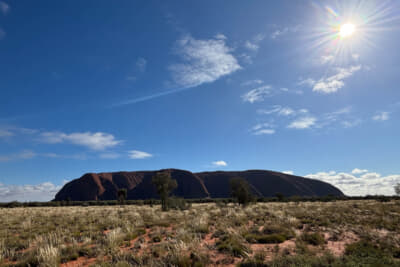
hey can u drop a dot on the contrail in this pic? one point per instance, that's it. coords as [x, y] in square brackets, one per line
[149, 97]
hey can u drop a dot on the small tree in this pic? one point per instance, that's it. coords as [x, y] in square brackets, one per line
[122, 193]
[240, 190]
[280, 196]
[397, 189]
[164, 186]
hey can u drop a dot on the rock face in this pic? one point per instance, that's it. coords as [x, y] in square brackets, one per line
[104, 186]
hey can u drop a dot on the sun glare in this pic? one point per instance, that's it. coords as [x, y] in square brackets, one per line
[346, 30]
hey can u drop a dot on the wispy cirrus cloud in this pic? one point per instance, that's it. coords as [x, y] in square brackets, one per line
[140, 67]
[254, 43]
[304, 119]
[333, 83]
[25, 154]
[203, 61]
[381, 116]
[359, 182]
[282, 111]
[29, 154]
[136, 154]
[4, 8]
[94, 141]
[141, 64]
[265, 128]
[281, 31]
[6, 133]
[303, 122]
[254, 82]
[264, 131]
[258, 94]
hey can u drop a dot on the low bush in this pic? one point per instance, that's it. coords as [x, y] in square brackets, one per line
[265, 239]
[232, 245]
[270, 234]
[178, 204]
[314, 239]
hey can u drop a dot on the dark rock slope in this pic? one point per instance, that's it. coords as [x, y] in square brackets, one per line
[104, 186]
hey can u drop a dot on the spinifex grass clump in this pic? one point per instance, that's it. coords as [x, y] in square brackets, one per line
[269, 234]
[314, 239]
[233, 245]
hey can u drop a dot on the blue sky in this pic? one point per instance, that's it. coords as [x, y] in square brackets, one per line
[93, 86]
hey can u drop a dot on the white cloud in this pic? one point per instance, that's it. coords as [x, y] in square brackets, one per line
[245, 58]
[283, 31]
[220, 163]
[254, 44]
[381, 116]
[136, 154]
[29, 154]
[302, 122]
[303, 119]
[252, 82]
[309, 82]
[279, 110]
[95, 141]
[141, 64]
[279, 32]
[333, 83]
[286, 111]
[263, 128]
[4, 7]
[26, 154]
[5, 133]
[9, 131]
[327, 59]
[220, 36]
[288, 172]
[366, 184]
[251, 46]
[205, 61]
[258, 94]
[40, 192]
[351, 123]
[358, 171]
[264, 131]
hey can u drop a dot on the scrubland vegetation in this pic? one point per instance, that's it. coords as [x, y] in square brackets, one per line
[336, 233]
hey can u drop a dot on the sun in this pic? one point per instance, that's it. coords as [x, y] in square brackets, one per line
[346, 30]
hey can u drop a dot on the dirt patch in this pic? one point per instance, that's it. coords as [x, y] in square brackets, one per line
[338, 247]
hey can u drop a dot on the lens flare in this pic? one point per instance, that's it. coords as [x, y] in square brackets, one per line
[346, 30]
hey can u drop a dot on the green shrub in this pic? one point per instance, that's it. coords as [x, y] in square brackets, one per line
[232, 245]
[270, 234]
[69, 254]
[365, 253]
[178, 203]
[265, 239]
[314, 239]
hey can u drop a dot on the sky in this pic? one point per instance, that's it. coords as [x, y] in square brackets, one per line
[309, 88]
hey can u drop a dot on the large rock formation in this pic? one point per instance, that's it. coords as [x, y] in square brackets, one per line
[104, 186]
